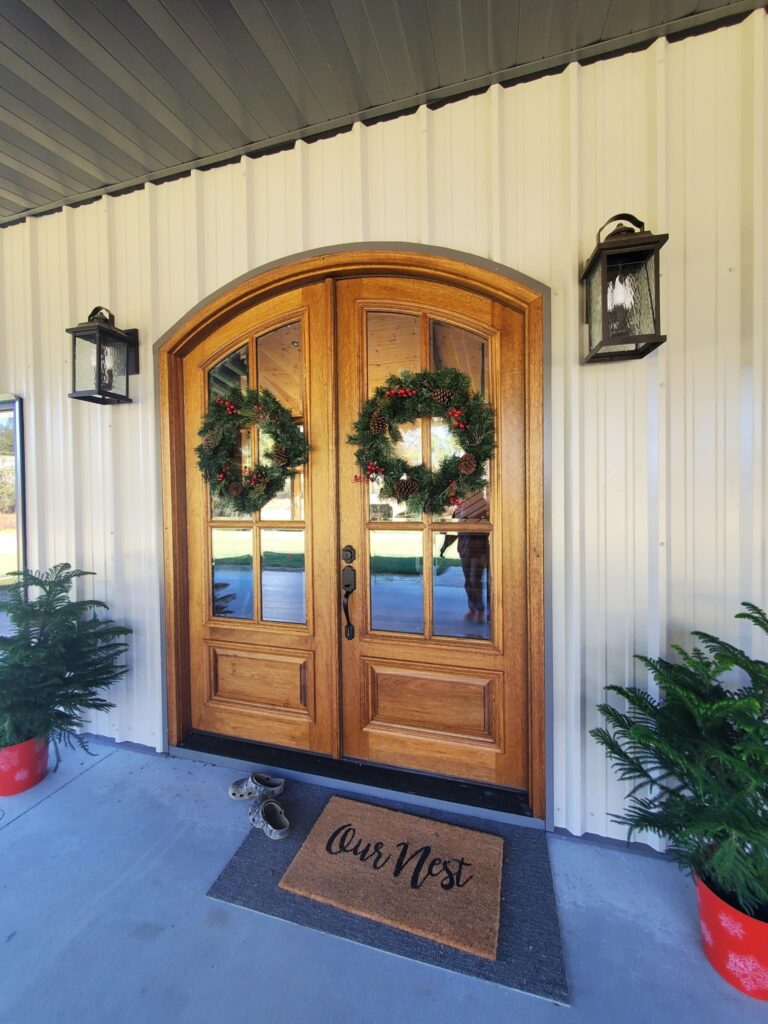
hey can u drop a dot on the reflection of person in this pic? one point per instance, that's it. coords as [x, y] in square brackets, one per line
[473, 552]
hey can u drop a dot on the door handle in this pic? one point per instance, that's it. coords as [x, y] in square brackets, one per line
[348, 585]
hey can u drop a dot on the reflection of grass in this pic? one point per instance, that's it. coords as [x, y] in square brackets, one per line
[270, 560]
[380, 564]
[396, 552]
[8, 556]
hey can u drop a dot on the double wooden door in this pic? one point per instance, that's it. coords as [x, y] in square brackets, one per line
[436, 676]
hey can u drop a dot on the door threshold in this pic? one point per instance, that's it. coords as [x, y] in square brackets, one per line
[400, 780]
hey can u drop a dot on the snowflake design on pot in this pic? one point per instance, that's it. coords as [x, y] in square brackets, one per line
[21, 775]
[751, 973]
[732, 925]
[8, 760]
[706, 934]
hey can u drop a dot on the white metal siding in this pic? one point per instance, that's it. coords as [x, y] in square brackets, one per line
[657, 519]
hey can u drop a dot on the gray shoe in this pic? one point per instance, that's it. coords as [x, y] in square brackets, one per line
[256, 785]
[269, 816]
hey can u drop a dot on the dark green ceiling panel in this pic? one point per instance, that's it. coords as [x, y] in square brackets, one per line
[99, 95]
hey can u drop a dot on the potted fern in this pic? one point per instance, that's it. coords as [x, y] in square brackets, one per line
[698, 758]
[53, 668]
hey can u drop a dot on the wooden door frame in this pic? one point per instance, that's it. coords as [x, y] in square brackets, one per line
[422, 263]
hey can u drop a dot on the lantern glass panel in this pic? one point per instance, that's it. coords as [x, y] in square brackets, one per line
[114, 367]
[85, 363]
[630, 294]
[595, 305]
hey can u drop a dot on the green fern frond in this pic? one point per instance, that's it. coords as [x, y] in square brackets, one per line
[697, 760]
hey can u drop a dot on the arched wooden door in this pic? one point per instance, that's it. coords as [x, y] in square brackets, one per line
[443, 673]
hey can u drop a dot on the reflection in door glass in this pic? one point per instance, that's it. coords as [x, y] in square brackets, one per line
[462, 585]
[231, 372]
[11, 503]
[394, 345]
[408, 448]
[461, 349]
[287, 504]
[232, 573]
[397, 581]
[283, 576]
[278, 358]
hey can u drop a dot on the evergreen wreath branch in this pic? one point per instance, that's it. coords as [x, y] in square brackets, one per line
[246, 489]
[446, 394]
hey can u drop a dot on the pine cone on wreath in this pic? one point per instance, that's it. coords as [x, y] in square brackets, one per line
[405, 489]
[209, 440]
[379, 423]
[443, 396]
[235, 489]
[467, 464]
[280, 455]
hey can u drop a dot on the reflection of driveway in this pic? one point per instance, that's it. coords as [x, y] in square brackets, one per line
[396, 601]
[396, 604]
[282, 593]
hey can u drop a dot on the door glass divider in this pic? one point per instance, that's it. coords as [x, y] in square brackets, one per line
[256, 573]
[426, 561]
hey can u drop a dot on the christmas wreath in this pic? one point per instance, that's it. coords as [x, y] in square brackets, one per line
[446, 394]
[246, 489]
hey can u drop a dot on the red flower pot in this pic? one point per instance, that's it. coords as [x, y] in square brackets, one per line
[735, 944]
[23, 765]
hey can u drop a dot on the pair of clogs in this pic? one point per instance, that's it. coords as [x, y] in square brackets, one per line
[265, 812]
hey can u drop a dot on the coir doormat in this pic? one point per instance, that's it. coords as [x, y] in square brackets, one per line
[529, 952]
[429, 878]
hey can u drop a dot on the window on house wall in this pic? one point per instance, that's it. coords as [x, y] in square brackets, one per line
[12, 534]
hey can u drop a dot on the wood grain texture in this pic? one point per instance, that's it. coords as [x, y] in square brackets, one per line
[456, 706]
[416, 743]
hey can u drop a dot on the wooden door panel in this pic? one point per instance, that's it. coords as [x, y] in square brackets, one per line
[282, 684]
[453, 705]
[403, 696]
[251, 677]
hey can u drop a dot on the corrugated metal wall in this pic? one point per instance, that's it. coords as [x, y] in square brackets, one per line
[658, 471]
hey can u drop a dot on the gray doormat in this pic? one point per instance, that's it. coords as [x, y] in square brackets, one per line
[530, 955]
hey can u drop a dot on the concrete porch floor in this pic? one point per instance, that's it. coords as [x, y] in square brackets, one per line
[103, 917]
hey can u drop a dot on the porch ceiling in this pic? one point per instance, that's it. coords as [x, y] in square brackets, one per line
[102, 95]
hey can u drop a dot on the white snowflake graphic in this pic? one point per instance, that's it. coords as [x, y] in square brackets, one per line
[706, 934]
[732, 925]
[8, 760]
[751, 973]
[21, 775]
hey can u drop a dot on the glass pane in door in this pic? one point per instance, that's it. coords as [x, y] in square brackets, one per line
[280, 369]
[279, 365]
[231, 372]
[283, 576]
[462, 349]
[232, 573]
[397, 581]
[393, 345]
[461, 585]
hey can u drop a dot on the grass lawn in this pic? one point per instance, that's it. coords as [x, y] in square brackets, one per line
[283, 549]
[7, 552]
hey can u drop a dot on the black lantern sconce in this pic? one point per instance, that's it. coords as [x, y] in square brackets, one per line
[103, 358]
[622, 277]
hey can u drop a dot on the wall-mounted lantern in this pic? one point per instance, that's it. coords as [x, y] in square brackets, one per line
[103, 357]
[622, 278]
